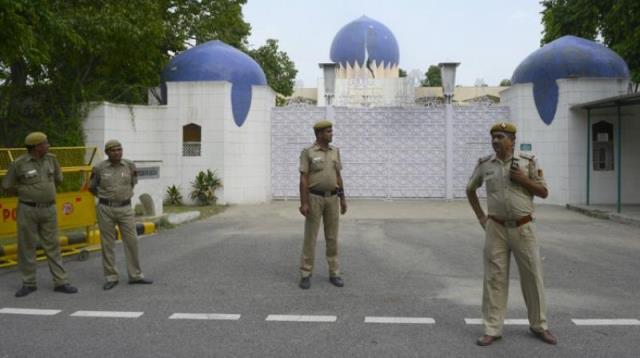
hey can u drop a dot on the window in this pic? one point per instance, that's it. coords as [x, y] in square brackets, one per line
[191, 140]
[602, 139]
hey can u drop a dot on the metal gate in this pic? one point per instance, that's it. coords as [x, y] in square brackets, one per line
[387, 152]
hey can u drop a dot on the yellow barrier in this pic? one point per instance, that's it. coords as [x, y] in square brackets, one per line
[75, 210]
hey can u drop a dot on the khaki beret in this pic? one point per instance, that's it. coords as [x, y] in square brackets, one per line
[322, 124]
[112, 143]
[35, 138]
[504, 127]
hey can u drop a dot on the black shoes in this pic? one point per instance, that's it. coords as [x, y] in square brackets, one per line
[305, 283]
[336, 281]
[487, 340]
[66, 288]
[545, 336]
[141, 281]
[25, 290]
[109, 285]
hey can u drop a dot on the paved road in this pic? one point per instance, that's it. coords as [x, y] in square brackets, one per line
[403, 259]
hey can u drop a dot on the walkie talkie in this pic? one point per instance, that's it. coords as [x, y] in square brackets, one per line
[514, 165]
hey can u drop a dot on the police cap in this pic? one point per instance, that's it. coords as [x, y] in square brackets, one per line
[112, 143]
[507, 127]
[35, 138]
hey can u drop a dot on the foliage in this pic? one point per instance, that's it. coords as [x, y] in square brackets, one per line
[278, 68]
[204, 187]
[402, 73]
[616, 23]
[505, 82]
[173, 196]
[433, 77]
[58, 55]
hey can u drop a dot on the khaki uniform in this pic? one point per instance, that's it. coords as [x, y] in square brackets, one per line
[507, 200]
[35, 181]
[113, 184]
[321, 166]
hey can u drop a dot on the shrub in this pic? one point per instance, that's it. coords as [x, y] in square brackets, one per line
[173, 196]
[205, 186]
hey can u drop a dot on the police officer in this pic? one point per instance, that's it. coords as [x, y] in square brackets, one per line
[512, 180]
[112, 181]
[321, 190]
[34, 176]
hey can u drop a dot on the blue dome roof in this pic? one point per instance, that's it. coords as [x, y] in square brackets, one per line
[217, 61]
[566, 57]
[349, 44]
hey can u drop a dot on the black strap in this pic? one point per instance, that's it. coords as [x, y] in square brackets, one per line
[114, 203]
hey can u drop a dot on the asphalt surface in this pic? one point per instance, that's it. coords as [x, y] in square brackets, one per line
[399, 259]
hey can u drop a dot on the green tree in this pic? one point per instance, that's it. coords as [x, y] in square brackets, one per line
[433, 77]
[615, 22]
[505, 83]
[58, 55]
[278, 68]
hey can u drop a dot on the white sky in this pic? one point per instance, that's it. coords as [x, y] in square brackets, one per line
[488, 37]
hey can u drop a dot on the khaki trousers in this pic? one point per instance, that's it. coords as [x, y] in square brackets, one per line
[499, 243]
[123, 217]
[327, 210]
[34, 224]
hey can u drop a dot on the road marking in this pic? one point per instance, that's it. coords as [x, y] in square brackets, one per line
[411, 320]
[206, 316]
[29, 311]
[109, 314]
[300, 318]
[606, 322]
[506, 321]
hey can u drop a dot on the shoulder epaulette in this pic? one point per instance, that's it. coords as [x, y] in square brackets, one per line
[528, 156]
[484, 159]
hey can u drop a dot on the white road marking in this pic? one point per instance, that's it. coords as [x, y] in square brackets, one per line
[107, 314]
[411, 320]
[300, 318]
[506, 321]
[206, 316]
[29, 311]
[606, 322]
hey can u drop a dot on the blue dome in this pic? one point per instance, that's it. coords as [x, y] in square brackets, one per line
[349, 44]
[566, 57]
[217, 61]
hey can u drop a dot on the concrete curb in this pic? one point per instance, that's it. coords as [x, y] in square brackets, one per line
[600, 214]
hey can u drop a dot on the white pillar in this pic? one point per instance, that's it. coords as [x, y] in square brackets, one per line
[448, 116]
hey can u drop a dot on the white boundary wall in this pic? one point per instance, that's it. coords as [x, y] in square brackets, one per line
[153, 134]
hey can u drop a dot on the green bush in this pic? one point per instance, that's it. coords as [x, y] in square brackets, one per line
[205, 186]
[173, 196]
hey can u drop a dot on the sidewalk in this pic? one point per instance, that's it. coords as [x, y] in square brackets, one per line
[630, 214]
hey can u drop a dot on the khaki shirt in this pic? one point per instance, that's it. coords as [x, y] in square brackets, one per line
[506, 199]
[322, 166]
[35, 179]
[114, 181]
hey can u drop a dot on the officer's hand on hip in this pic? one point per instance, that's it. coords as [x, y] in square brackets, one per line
[304, 210]
[483, 221]
[343, 206]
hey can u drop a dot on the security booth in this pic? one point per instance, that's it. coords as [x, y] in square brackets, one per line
[75, 205]
[613, 168]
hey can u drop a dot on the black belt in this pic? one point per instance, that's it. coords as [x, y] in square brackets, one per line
[323, 193]
[38, 205]
[114, 203]
[512, 223]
